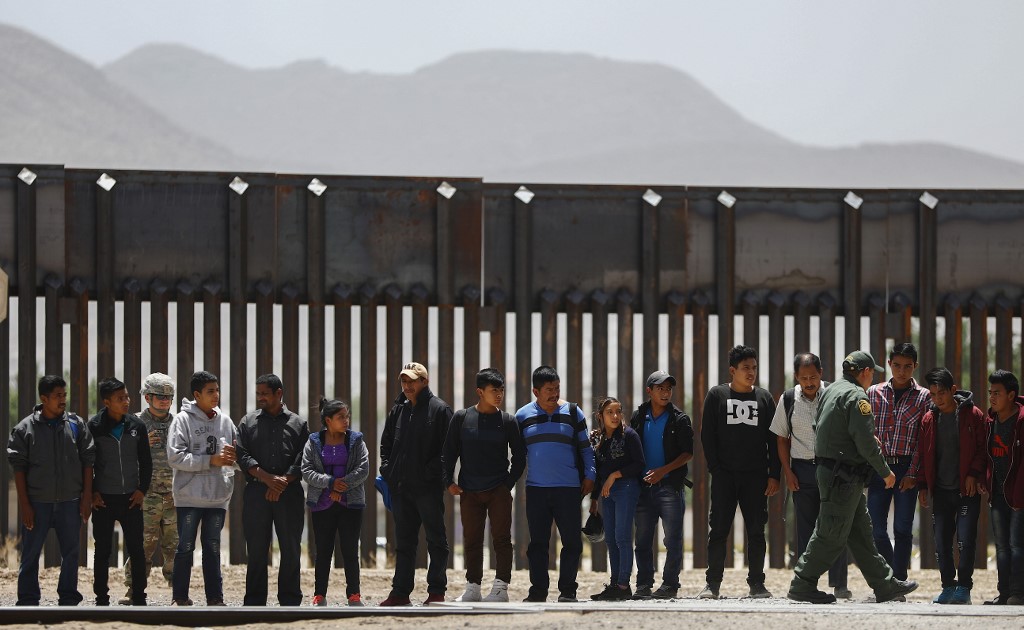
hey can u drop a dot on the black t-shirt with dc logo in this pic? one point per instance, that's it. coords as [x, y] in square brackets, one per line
[735, 431]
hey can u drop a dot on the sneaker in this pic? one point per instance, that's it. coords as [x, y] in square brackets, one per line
[535, 599]
[710, 591]
[897, 592]
[140, 602]
[842, 592]
[102, 602]
[665, 592]
[643, 592]
[215, 602]
[434, 598]
[355, 599]
[998, 600]
[1015, 600]
[961, 596]
[472, 593]
[394, 600]
[618, 593]
[319, 600]
[499, 592]
[603, 594]
[567, 598]
[811, 597]
[758, 591]
[181, 602]
[945, 595]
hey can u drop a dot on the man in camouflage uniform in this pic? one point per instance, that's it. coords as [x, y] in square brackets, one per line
[160, 522]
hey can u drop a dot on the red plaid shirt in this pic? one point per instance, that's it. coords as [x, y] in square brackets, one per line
[896, 425]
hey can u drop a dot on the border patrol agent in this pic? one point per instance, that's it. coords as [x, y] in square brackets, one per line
[846, 453]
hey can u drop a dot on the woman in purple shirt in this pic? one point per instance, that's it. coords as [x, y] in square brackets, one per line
[335, 465]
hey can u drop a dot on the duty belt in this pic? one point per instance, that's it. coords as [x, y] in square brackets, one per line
[846, 473]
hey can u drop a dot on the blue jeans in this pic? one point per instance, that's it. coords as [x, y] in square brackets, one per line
[954, 515]
[896, 552]
[1008, 532]
[66, 520]
[189, 519]
[619, 507]
[664, 502]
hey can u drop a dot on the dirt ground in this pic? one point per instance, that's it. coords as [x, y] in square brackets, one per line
[779, 613]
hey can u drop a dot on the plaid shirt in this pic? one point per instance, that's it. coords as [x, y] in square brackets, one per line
[896, 425]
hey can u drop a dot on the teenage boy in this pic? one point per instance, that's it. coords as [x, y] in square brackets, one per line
[122, 474]
[1005, 482]
[159, 520]
[201, 451]
[270, 444]
[52, 454]
[898, 406]
[667, 438]
[949, 463]
[410, 463]
[481, 437]
[794, 425]
[560, 472]
[743, 459]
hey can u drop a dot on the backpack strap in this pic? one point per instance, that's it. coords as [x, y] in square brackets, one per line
[788, 401]
[576, 428]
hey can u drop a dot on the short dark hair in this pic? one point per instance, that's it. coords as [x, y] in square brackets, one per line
[543, 375]
[273, 381]
[110, 387]
[905, 349]
[738, 354]
[200, 379]
[1007, 379]
[804, 359]
[329, 407]
[49, 383]
[940, 377]
[489, 376]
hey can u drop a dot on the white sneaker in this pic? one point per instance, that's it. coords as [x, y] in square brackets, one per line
[472, 594]
[499, 592]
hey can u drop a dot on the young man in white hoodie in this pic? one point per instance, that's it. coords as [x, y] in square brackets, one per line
[201, 452]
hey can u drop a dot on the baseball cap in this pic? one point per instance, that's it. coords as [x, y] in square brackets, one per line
[415, 371]
[158, 383]
[862, 360]
[660, 376]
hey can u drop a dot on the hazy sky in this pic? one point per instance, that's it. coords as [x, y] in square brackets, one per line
[822, 73]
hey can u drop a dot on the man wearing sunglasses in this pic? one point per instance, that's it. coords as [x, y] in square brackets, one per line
[160, 522]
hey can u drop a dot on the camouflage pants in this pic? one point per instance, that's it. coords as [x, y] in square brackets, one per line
[160, 529]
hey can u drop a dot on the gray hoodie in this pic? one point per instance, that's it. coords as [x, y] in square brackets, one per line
[192, 440]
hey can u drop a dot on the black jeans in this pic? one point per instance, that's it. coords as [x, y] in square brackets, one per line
[729, 489]
[807, 503]
[103, 533]
[561, 506]
[337, 522]
[1008, 535]
[287, 517]
[412, 508]
[952, 515]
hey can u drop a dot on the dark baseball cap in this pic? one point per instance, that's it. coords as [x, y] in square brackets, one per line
[660, 376]
[862, 360]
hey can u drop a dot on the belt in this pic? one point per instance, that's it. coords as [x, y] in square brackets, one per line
[898, 459]
[804, 461]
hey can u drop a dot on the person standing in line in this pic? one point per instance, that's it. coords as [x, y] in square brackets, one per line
[620, 464]
[743, 460]
[794, 425]
[481, 437]
[898, 406]
[949, 464]
[159, 519]
[410, 463]
[335, 465]
[201, 451]
[846, 452]
[52, 454]
[667, 438]
[123, 471]
[1005, 482]
[560, 471]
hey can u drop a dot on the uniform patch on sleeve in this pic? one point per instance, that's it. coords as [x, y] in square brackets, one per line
[864, 407]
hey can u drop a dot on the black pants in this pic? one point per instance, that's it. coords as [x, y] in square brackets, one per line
[807, 503]
[337, 523]
[561, 506]
[287, 517]
[412, 508]
[103, 533]
[729, 489]
[954, 515]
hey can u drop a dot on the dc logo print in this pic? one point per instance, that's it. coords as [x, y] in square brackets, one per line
[741, 412]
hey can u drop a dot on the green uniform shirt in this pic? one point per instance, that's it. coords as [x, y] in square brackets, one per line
[162, 474]
[845, 427]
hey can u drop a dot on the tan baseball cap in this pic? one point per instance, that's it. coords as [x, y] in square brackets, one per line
[415, 371]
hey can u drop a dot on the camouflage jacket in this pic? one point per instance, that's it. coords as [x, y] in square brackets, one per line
[162, 476]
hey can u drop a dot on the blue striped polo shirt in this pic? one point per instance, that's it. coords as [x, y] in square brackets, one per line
[551, 441]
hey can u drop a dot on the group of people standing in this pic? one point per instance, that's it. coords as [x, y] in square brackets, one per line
[169, 480]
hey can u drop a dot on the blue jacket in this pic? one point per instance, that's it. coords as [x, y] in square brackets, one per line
[356, 472]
